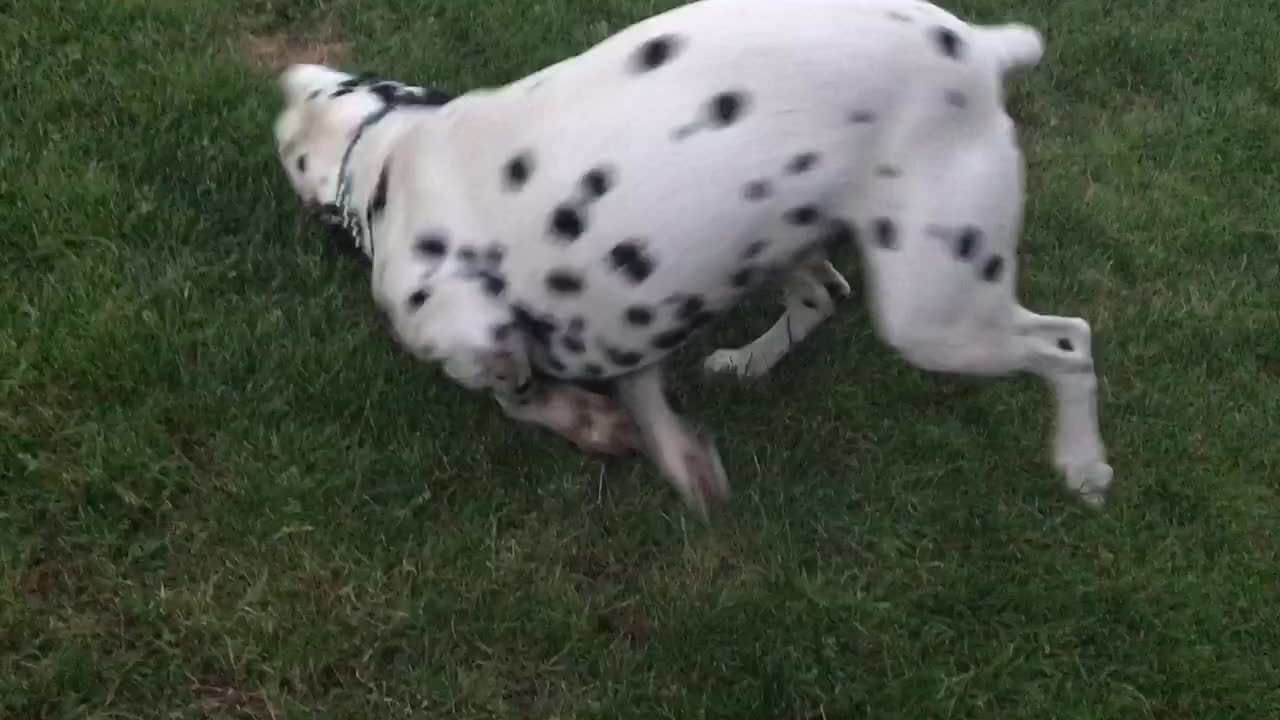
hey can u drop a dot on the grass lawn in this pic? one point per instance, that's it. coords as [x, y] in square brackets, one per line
[225, 493]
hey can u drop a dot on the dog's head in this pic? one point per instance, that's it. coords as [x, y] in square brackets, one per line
[324, 110]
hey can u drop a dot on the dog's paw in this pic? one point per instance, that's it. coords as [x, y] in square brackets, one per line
[729, 362]
[1089, 481]
[832, 281]
[704, 483]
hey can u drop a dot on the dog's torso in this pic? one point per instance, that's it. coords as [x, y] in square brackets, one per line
[586, 220]
[614, 203]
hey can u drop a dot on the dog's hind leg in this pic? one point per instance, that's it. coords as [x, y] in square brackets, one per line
[999, 339]
[941, 264]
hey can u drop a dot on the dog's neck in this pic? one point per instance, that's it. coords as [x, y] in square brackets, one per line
[365, 156]
[357, 177]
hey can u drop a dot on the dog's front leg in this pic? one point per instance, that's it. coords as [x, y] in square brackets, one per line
[591, 421]
[472, 335]
[690, 463]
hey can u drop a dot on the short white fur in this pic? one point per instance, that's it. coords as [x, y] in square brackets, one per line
[679, 160]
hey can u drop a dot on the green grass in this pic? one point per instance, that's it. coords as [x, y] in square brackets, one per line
[225, 493]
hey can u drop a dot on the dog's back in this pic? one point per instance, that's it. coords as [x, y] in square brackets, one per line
[622, 198]
[646, 172]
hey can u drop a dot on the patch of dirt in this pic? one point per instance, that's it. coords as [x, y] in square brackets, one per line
[219, 699]
[59, 577]
[48, 580]
[627, 626]
[190, 447]
[273, 52]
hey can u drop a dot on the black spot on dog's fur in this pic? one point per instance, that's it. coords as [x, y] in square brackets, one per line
[726, 108]
[802, 163]
[622, 358]
[655, 53]
[494, 284]
[597, 182]
[378, 202]
[810, 304]
[517, 171]
[948, 42]
[691, 314]
[690, 306]
[540, 329]
[862, 117]
[494, 254]
[340, 93]
[967, 242]
[562, 281]
[803, 215]
[302, 163]
[1065, 345]
[417, 299]
[956, 99]
[841, 234]
[431, 245]
[887, 171]
[993, 269]
[467, 254]
[632, 260]
[757, 190]
[743, 278]
[669, 339]
[638, 315]
[754, 249]
[567, 224]
[886, 233]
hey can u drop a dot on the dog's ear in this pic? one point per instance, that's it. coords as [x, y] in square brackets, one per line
[289, 80]
[432, 97]
[300, 80]
[388, 92]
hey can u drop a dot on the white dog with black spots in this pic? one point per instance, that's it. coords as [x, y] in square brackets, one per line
[583, 223]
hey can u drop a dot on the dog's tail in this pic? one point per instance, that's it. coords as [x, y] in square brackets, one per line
[1014, 45]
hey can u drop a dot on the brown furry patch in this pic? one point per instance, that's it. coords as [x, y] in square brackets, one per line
[276, 51]
[216, 698]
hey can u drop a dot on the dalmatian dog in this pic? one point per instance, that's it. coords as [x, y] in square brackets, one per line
[583, 223]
